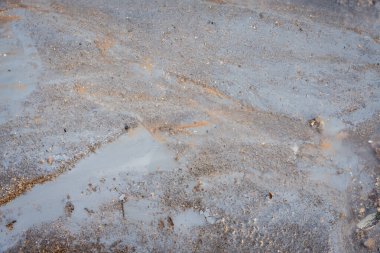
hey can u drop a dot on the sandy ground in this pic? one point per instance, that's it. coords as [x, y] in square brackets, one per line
[189, 126]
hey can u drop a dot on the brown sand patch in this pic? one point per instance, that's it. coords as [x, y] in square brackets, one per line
[214, 92]
[5, 18]
[325, 144]
[193, 125]
[157, 130]
[105, 44]
[80, 89]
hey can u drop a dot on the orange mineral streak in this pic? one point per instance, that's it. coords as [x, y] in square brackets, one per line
[156, 131]
[4, 18]
[193, 125]
[325, 144]
[206, 88]
[80, 89]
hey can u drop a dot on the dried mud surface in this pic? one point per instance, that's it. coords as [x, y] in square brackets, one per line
[189, 126]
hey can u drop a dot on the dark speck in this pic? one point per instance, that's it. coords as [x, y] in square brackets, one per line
[126, 127]
[64, 130]
[170, 222]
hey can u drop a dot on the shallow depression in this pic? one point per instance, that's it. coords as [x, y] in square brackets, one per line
[20, 68]
[93, 182]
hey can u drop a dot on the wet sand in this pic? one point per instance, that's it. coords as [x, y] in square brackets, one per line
[205, 126]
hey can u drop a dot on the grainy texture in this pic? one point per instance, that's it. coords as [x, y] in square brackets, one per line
[269, 110]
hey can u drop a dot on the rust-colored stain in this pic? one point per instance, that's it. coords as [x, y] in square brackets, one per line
[193, 125]
[7, 18]
[325, 144]
[174, 129]
[209, 90]
[214, 92]
[156, 130]
[10, 4]
[105, 44]
[80, 89]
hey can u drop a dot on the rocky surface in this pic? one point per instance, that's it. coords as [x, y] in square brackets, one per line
[227, 126]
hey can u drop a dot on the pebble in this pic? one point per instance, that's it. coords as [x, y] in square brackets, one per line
[69, 208]
[122, 197]
[369, 220]
[317, 123]
[50, 160]
[370, 244]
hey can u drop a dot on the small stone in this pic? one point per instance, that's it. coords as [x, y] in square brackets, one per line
[161, 224]
[89, 211]
[50, 160]
[317, 123]
[210, 219]
[170, 222]
[69, 208]
[10, 225]
[198, 187]
[370, 244]
[122, 197]
[368, 221]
